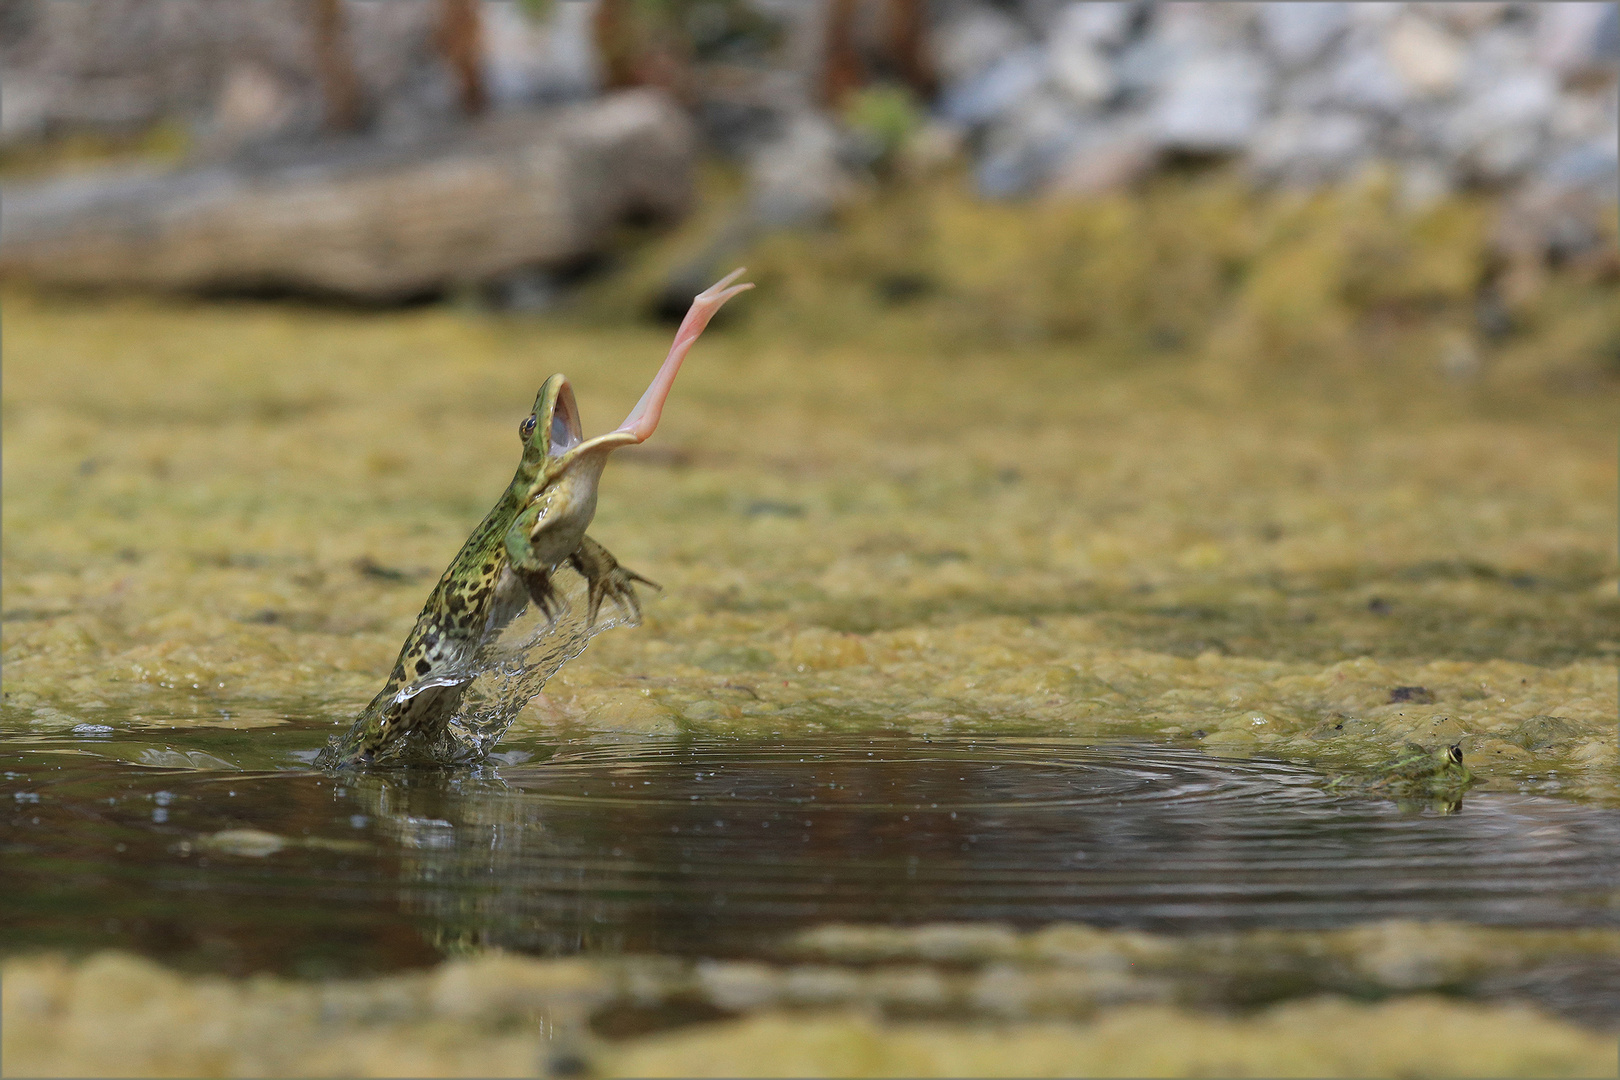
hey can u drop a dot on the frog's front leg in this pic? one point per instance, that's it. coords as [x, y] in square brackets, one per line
[606, 579]
[547, 532]
[533, 559]
[530, 565]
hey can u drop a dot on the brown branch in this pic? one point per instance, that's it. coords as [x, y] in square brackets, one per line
[339, 84]
[908, 45]
[460, 40]
[841, 71]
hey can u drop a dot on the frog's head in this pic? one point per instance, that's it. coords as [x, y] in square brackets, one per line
[1451, 762]
[554, 445]
[553, 428]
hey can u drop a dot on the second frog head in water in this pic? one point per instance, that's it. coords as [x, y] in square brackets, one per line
[1416, 775]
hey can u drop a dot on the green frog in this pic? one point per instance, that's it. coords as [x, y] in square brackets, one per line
[1417, 773]
[537, 526]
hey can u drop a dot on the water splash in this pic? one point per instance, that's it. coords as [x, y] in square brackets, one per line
[464, 710]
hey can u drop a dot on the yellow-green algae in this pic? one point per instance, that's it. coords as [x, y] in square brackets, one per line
[870, 516]
[1319, 1037]
[1196, 466]
[864, 1001]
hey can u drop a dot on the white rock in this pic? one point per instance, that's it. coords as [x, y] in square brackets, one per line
[253, 101]
[1104, 24]
[966, 46]
[1575, 38]
[1108, 159]
[25, 106]
[798, 177]
[1297, 33]
[1146, 64]
[996, 91]
[1021, 153]
[1311, 148]
[1213, 103]
[528, 59]
[1579, 117]
[1429, 59]
[1364, 78]
[1499, 133]
[1467, 16]
[1081, 70]
[1592, 165]
[1423, 182]
[1375, 13]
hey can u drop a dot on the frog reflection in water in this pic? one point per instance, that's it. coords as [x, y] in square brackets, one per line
[537, 526]
[1417, 774]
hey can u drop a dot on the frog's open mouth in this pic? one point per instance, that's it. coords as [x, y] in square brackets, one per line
[566, 432]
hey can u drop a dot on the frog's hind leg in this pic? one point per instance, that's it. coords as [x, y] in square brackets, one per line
[606, 579]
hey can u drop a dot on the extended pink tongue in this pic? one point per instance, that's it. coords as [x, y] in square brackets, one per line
[644, 417]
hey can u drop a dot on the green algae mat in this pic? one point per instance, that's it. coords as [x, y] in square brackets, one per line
[1025, 572]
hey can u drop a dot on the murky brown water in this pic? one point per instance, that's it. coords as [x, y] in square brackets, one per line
[219, 850]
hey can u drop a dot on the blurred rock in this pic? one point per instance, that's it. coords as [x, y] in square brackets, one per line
[1040, 95]
[1103, 24]
[1212, 104]
[995, 91]
[1593, 167]
[255, 104]
[1020, 153]
[1465, 16]
[1305, 149]
[965, 46]
[1297, 32]
[371, 222]
[1429, 59]
[1579, 40]
[529, 60]
[1081, 69]
[1143, 65]
[1362, 76]
[1111, 160]
[800, 177]
[1423, 182]
[1460, 359]
[120, 65]
[1075, 98]
[248, 71]
[1498, 135]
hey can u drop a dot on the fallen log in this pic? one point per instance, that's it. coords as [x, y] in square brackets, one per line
[358, 220]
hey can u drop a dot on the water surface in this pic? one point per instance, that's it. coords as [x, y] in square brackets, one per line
[223, 850]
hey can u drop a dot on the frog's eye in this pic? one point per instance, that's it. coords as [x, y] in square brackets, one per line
[526, 428]
[1454, 754]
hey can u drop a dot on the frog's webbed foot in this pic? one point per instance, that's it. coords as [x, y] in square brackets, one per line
[606, 579]
[542, 591]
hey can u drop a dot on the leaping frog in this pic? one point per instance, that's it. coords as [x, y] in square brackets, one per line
[537, 526]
